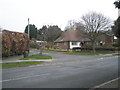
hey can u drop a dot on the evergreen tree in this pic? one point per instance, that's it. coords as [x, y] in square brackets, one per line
[49, 33]
[116, 29]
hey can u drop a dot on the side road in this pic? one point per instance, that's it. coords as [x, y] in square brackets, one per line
[16, 58]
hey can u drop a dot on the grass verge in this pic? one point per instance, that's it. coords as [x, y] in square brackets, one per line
[37, 56]
[16, 64]
[85, 53]
[118, 54]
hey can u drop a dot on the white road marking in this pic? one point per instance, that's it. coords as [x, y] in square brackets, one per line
[23, 77]
[98, 86]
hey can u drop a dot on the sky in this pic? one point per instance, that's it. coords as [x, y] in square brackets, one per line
[14, 14]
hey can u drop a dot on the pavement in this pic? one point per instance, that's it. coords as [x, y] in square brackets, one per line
[64, 71]
[16, 58]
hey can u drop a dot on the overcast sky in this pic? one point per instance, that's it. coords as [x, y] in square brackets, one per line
[14, 13]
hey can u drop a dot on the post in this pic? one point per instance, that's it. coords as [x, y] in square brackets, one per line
[118, 12]
[28, 30]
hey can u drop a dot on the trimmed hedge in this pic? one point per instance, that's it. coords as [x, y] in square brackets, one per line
[14, 43]
[97, 49]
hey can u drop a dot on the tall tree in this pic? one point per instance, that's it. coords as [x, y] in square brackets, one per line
[94, 23]
[116, 29]
[74, 25]
[49, 33]
[42, 33]
[32, 32]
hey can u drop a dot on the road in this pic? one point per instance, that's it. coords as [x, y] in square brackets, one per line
[65, 71]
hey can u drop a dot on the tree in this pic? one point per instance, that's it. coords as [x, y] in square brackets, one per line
[117, 4]
[33, 31]
[93, 24]
[116, 29]
[49, 33]
[71, 25]
[41, 35]
[53, 33]
[74, 25]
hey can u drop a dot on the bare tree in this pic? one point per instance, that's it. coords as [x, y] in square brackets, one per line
[94, 23]
[74, 25]
[70, 25]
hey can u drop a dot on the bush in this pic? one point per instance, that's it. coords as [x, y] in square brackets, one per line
[116, 45]
[97, 49]
[14, 43]
[51, 45]
[33, 45]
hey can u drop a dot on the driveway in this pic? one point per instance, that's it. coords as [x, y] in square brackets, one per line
[65, 71]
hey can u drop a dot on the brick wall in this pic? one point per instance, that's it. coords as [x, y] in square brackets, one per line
[63, 45]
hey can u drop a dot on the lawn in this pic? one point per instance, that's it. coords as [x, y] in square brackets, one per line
[33, 57]
[37, 56]
[14, 64]
[118, 54]
[85, 53]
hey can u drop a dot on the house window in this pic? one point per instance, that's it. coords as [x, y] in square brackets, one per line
[74, 43]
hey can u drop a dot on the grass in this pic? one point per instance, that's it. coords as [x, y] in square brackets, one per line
[16, 64]
[37, 56]
[59, 49]
[85, 53]
[34, 57]
[118, 54]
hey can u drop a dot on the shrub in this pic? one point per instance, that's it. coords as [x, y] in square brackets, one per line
[97, 49]
[116, 45]
[33, 45]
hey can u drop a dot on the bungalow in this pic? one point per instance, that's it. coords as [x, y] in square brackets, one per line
[71, 39]
[106, 39]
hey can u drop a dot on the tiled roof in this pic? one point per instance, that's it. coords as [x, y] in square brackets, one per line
[71, 35]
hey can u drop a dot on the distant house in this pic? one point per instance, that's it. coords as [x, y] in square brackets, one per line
[106, 39]
[71, 39]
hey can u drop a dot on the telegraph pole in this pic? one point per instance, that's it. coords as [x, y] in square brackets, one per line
[28, 29]
[118, 11]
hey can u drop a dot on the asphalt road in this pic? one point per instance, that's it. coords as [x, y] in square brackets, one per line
[65, 71]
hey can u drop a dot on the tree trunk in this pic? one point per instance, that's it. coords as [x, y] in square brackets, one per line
[93, 47]
[41, 50]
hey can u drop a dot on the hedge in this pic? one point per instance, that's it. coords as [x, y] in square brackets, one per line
[97, 49]
[14, 43]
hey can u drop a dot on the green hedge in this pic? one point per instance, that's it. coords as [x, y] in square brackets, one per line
[33, 45]
[97, 49]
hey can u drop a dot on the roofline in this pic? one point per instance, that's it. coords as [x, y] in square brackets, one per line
[71, 41]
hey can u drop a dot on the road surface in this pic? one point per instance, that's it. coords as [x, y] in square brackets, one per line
[65, 71]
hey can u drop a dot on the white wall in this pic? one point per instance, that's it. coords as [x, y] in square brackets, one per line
[72, 46]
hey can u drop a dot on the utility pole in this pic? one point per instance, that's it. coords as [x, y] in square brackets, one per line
[28, 29]
[118, 12]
